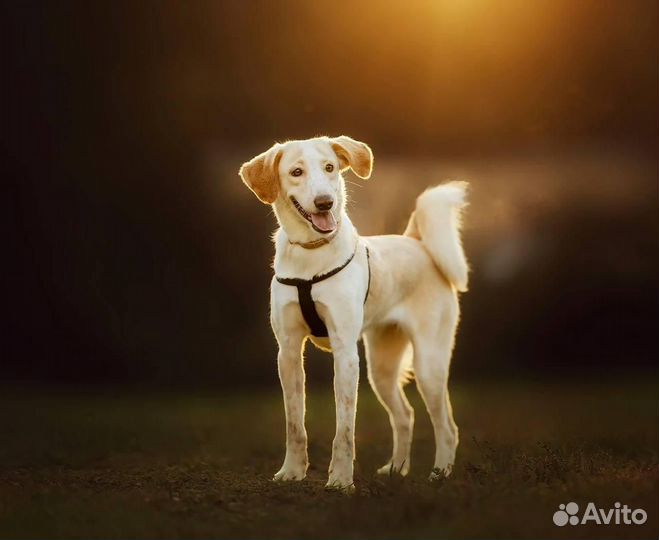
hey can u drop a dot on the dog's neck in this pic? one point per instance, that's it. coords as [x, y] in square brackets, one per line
[292, 259]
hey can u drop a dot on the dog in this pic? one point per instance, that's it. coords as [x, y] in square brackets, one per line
[398, 292]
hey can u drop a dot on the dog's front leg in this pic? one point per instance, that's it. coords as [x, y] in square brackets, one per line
[291, 375]
[346, 379]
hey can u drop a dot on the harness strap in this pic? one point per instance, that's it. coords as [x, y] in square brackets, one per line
[368, 264]
[309, 312]
[308, 306]
[296, 282]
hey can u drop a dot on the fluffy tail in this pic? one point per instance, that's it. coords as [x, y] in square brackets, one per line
[436, 222]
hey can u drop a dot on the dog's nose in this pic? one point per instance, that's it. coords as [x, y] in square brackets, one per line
[323, 202]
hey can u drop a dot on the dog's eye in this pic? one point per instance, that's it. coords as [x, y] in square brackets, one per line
[296, 172]
[329, 167]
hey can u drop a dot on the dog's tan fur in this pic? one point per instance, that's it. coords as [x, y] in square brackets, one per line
[408, 323]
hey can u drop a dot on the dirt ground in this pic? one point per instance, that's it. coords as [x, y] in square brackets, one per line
[103, 464]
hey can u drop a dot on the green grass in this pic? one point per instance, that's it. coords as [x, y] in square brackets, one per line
[98, 465]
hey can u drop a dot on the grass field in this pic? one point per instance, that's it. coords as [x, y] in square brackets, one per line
[102, 465]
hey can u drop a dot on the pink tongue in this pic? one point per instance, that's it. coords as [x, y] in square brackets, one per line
[324, 221]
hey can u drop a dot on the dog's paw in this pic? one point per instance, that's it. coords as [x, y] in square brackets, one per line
[391, 470]
[439, 474]
[290, 474]
[345, 486]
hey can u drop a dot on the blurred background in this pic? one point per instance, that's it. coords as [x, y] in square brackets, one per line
[134, 254]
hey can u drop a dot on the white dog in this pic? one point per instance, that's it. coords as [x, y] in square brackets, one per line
[333, 286]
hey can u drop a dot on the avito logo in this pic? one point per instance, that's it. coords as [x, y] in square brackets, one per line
[620, 514]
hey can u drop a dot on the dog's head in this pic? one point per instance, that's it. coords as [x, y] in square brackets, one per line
[306, 176]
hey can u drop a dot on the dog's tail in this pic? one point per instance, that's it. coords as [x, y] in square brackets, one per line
[436, 222]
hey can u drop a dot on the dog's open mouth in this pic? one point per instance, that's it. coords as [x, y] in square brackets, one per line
[322, 222]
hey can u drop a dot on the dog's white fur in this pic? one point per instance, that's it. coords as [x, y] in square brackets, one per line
[408, 323]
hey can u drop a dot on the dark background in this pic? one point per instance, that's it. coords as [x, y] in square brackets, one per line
[133, 254]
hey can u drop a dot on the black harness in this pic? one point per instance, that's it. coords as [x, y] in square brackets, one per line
[308, 306]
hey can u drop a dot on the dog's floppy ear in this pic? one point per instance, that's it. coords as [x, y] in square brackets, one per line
[261, 174]
[354, 155]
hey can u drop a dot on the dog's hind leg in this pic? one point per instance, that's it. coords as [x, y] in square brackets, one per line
[432, 357]
[385, 350]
